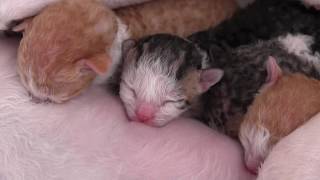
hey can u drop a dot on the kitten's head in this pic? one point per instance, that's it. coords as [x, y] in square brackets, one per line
[255, 141]
[162, 77]
[59, 57]
[255, 134]
[55, 82]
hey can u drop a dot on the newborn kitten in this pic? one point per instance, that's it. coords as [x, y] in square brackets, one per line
[69, 43]
[58, 55]
[284, 103]
[162, 76]
[165, 76]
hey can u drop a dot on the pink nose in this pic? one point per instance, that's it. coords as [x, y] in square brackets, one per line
[145, 112]
[253, 164]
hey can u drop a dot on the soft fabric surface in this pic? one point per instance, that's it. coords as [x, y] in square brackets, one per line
[90, 138]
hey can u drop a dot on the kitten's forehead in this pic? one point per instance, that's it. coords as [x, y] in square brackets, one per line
[171, 55]
[152, 83]
[159, 64]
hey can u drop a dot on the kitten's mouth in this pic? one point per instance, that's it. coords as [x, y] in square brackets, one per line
[38, 100]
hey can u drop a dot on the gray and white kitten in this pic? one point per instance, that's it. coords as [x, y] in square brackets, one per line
[165, 75]
[162, 76]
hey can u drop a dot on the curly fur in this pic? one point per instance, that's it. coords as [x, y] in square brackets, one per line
[224, 105]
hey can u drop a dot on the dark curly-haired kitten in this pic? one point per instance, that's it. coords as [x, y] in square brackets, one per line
[224, 104]
[236, 47]
[262, 20]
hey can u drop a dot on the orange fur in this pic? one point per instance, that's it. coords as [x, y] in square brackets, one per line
[284, 106]
[179, 17]
[69, 43]
[55, 43]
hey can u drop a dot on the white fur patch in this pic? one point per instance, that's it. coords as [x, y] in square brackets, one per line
[151, 83]
[115, 51]
[297, 44]
[254, 140]
[300, 45]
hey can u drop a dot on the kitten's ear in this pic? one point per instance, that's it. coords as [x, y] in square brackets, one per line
[23, 25]
[127, 45]
[273, 70]
[209, 77]
[98, 63]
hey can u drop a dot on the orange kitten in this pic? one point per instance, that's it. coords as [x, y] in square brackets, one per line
[283, 104]
[64, 47]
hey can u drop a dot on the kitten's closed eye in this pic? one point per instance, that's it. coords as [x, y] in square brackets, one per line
[130, 88]
[180, 103]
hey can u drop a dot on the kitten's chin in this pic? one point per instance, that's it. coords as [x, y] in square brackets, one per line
[61, 99]
[152, 123]
[158, 122]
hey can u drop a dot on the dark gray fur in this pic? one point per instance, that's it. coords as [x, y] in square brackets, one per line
[244, 74]
[179, 56]
[244, 66]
